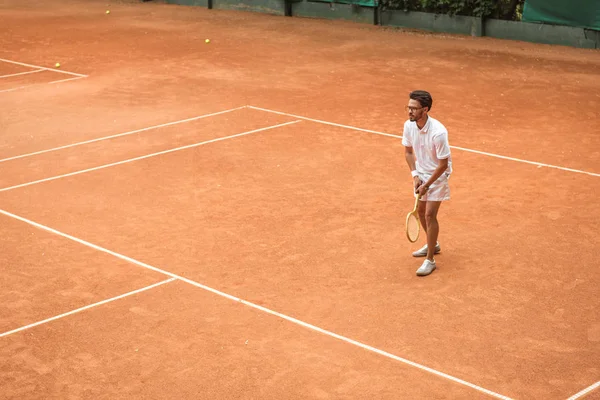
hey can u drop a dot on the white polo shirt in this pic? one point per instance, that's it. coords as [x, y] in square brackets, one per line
[429, 144]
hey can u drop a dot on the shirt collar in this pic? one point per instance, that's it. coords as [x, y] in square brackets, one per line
[427, 126]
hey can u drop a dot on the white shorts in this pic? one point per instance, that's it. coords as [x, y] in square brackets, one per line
[439, 190]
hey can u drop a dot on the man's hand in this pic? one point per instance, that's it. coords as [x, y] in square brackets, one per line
[421, 190]
[417, 182]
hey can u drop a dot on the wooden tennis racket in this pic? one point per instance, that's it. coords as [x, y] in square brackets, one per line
[413, 226]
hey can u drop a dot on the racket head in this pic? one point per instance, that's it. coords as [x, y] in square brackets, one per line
[412, 227]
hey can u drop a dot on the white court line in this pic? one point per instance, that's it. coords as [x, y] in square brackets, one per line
[119, 134]
[326, 122]
[42, 83]
[67, 80]
[22, 73]
[260, 308]
[16, 88]
[44, 68]
[146, 156]
[86, 307]
[454, 147]
[585, 391]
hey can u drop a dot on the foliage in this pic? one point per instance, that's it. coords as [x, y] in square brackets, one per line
[503, 9]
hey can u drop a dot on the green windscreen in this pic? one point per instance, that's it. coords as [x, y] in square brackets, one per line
[366, 3]
[580, 13]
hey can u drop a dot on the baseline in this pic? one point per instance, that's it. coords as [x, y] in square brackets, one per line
[147, 156]
[119, 135]
[485, 153]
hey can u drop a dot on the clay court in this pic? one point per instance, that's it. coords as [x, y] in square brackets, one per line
[225, 220]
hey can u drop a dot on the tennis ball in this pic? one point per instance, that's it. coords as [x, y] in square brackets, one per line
[108, 11]
[57, 65]
[207, 41]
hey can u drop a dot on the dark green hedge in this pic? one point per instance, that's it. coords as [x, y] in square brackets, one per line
[499, 9]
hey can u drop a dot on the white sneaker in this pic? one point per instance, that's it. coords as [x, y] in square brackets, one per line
[422, 252]
[426, 268]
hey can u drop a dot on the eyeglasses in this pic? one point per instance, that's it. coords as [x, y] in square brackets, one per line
[413, 109]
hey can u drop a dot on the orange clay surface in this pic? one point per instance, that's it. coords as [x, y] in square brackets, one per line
[304, 219]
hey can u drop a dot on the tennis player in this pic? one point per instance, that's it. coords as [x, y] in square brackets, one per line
[427, 153]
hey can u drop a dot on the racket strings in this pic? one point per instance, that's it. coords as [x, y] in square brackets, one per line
[412, 227]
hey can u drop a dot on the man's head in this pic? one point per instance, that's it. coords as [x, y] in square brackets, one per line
[419, 104]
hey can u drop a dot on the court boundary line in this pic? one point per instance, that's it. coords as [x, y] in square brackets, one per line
[41, 83]
[119, 135]
[40, 69]
[18, 87]
[257, 307]
[77, 310]
[585, 391]
[66, 80]
[189, 146]
[21, 73]
[44, 68]
[485, 153]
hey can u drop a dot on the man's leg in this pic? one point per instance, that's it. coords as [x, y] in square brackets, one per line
[433, 228]
[421, 210]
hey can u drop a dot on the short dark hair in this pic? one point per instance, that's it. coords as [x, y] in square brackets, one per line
[423, 97]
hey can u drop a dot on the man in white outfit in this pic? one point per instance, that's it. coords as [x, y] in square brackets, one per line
[427, 154]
